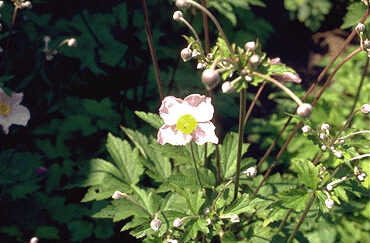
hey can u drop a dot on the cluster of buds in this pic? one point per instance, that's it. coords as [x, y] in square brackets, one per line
[50, 52]
[22, 4]
[359, 173]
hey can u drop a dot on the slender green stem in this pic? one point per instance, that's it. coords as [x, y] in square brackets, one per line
[284, 220]
[304, 214]
[246, 118]
[240, 140]
[195, 165]
[214, 20]
[152, 50]
[220, 193]
[360, 157]
[195, 34]
[364, 72]
[218, 165]
[352, 134]
[280, 85]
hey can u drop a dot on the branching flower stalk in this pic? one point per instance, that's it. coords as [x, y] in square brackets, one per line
[309, 91]
[214, 20]
[351, 135]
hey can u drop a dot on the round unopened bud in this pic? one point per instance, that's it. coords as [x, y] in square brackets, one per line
[306, 129]
[322, 136]
[210, 56]
[324, 127]
[26, 4]
[182, 4]
[186, 54]
[46, 38]
[155, 224]
[250, 46]
[329, 203]
[365, 108]
[341, 141]
[34, 240]
[201, 65]
[177, 222]
[360, 27]
[361, 177]
[329, 187]
[275, 61]
[248, 78]
[177, 15]
[210, 78]
[323, 147]
[195, 53]
[357, 171]
[117, 195]
[251, 171]
[366, 44]
[304, 110]
[227, 87]
[206, 211]
[255, 59]
[209, 221]
[289, 77]
[72, 42]
[338, 154]
[235, 218]
[1, 4]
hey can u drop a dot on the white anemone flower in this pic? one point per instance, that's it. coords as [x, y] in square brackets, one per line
[11, 112]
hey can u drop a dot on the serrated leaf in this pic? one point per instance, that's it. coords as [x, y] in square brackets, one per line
[295, 199]
[240, 205]
[125, 158]
[307, 172]
[353, 15]
[153, 119]
[193, 227]
[341, 193]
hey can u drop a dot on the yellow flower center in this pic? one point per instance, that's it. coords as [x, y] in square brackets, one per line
[186, 124]
[4, 109]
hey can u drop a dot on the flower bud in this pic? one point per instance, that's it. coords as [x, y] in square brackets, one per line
[177, 15]
[306, 129]
[72, 42]
[251, 171]
[329, 203]
[178, 222]
[155, 224]
[118, 195]
[248, 78]
[34, 240]
[289, 77]
[209, 221]
[366, 44]
[255, 59]
[26, 4]
[195, 53]
[206, 211]
[357, 171]
[250, 46]
[338, 154]
[361, 177]
[365, 108]
[324, 127]
[1, 4]
[323, 147]
[365, 2]
[172, 241]
[304, 110]
[182, 4]
[210, 78]
[210, 56]
[275, 61]
[201, 65]
[227, 87]
[46, 38]
[329, 187]
[186, 54]
[360, 27]
[235, 218]
[322, 136]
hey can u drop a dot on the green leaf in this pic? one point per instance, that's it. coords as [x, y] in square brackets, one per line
[11, 231]
[179, 153]
[139, 139]
[153, 119]
[125, 158]
[47, 232]
[80, 230]
[295, 199]
[341, 193]
[353, 15]
[193, 227]
[308, 174]
[241, 205]
[228, 154]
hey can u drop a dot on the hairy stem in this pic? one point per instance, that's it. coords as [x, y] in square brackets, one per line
[304, 214]
[195, 166]
[240, 140]
[152, 50]
[195, 34]
[214, 20]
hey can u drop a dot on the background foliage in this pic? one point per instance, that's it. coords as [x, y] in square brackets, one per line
[79, 99]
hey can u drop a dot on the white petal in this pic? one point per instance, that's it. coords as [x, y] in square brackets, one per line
[204, 133]
[169, 134]
[170, 110]
[200, 107]
[19, 115]
[16, 98]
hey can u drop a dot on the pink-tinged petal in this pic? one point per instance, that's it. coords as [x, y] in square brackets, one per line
[16, 98]
[5, 125]
[200, 107]
[19, 115]
[204, 133]
[169, 134]
[170, 110]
